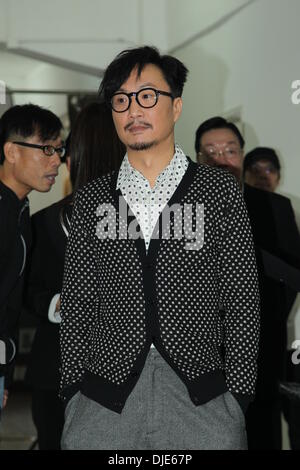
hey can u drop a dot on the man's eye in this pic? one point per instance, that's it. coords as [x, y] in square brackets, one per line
[120, 99]
[147, 96]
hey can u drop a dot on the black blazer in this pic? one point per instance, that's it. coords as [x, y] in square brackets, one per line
[274, 230]
[273, 224]
[45, 276]
[15, 239]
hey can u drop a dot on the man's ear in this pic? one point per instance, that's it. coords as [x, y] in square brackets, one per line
[177, 108]
[9, 152]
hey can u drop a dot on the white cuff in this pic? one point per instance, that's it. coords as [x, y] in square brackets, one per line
[53, 316]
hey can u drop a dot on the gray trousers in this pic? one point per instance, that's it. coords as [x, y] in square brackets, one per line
[158, 415]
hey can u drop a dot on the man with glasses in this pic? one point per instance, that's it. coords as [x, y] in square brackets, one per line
[219, 143]
[30, 154]
[262, 169]
[141, 332]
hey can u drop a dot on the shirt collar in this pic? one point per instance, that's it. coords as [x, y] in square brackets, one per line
[11, 195]
[128, 174]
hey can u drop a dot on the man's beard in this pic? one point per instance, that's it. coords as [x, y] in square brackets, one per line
[139, 146]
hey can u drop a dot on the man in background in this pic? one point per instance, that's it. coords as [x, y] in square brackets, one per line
[219, 143]
[262, 169]
[30, 152]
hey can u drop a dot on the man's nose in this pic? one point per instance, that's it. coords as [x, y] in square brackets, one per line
[135, 109]
[220, 158]
[55, 160]
[262, 175]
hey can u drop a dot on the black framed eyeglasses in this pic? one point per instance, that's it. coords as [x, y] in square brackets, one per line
[146, 98]
[48, 150]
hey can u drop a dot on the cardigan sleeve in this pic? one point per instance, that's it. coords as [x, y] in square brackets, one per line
[79, 303]
[239, 296]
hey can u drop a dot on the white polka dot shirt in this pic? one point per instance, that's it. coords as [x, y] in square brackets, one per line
[145, 202]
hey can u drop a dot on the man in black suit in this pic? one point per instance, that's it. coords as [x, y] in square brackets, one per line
[277, 232]
[50, 228]
[220, 143]
[262, 169]
[30, 152]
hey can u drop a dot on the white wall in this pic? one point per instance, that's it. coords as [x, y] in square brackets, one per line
[242, 55]
[23, 73]
[49, 77]
[249, 63]
[79, 34]
[3, 21]
[86, 34]
[187, 19]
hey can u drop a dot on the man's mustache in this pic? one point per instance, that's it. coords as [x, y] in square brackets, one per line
[137, 123]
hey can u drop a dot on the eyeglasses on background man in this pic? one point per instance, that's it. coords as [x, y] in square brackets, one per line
[48, 150]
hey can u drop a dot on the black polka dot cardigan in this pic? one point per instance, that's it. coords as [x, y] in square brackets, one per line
[117, 298]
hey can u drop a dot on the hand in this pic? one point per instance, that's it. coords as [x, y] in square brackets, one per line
[5, 398]
[57, 307]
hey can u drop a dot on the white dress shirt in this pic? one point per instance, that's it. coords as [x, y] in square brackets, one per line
[145, 202]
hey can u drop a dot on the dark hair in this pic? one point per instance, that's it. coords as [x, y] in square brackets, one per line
[118, 71]
[25, 121]
[216, 123]
[261, 153]
[95, 148]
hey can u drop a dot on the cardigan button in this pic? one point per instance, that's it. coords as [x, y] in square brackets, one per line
[149, 266]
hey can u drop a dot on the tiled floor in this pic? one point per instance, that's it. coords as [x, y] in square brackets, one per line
[17, 431]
